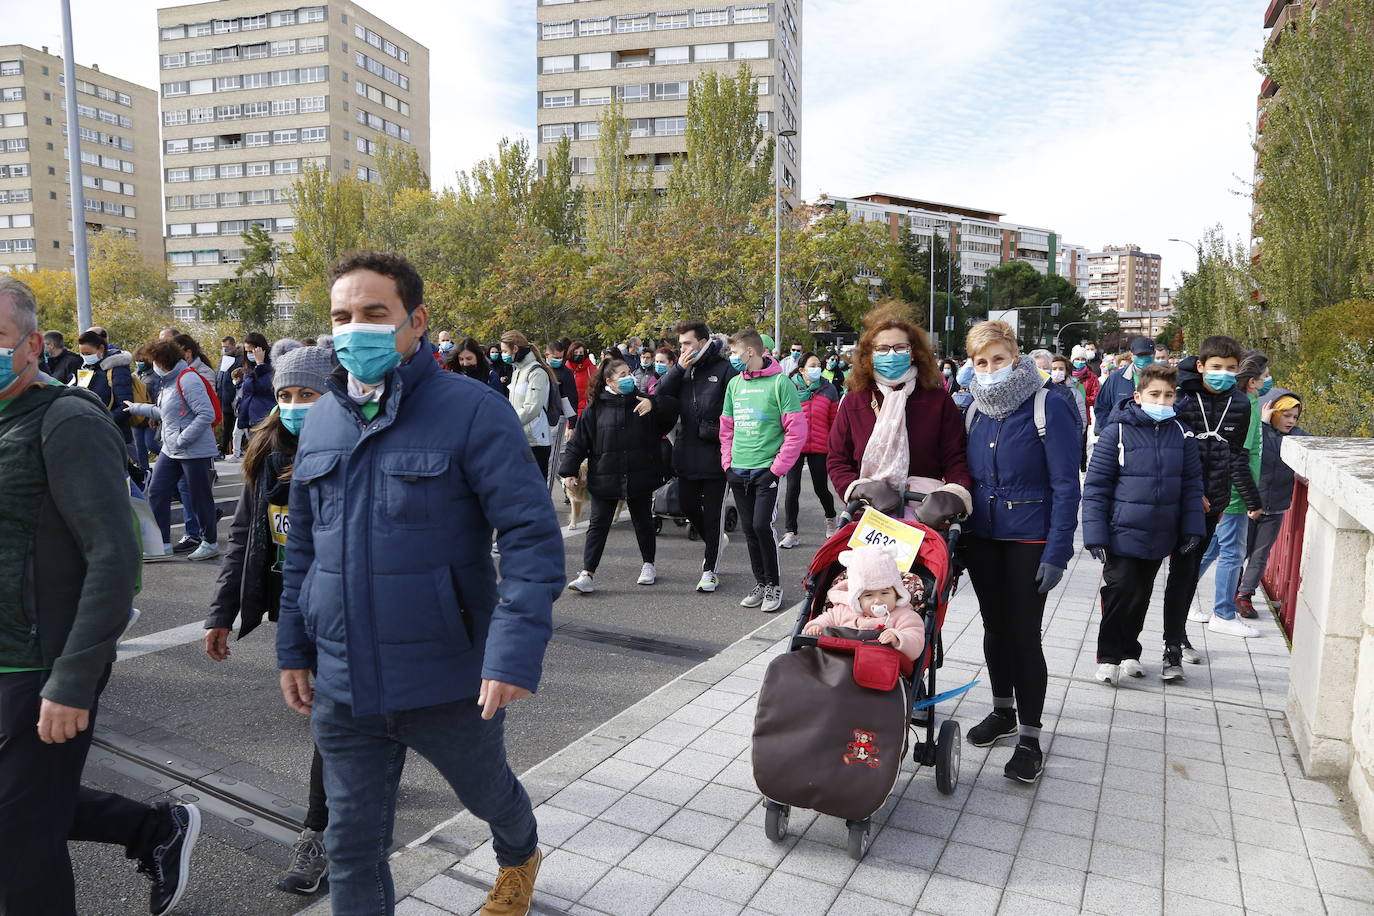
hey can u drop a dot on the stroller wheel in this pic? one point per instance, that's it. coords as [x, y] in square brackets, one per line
[775, 821]
[858, 839]
[947, 757]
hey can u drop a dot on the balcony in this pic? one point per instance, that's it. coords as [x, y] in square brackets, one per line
[1275, 10]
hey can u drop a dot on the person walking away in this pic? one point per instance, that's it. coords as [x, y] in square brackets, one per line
[1019, 539]
[186, 414]
[1086, 376]
[1142, 500]
[1228, 546]
[1218, 415]
[67, 580]
[402, 473]
[1061, 376]
[470, 360]
[256, 398]
[250, 576]
[196, 359]
[1120, 385]
[530, 384]
[762, 433]
[1282, 411]
[225, 389]
[620, 437]
[59, 362]
[698, 382]
[898, 430]
[820, 402]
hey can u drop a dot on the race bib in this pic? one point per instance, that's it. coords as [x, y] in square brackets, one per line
[84, 376]
[878, 530]
[279, 522]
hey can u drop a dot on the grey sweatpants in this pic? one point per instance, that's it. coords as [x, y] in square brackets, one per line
[1264, 531]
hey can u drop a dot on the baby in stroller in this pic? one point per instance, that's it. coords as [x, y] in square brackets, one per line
[873, 594]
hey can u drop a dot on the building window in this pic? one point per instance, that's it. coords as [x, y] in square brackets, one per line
[286, 167]
[314, 134]
[632, 23]
[561, 99]
[310, 45]
[283, 48]
[560, 64]
[174, 89]
[712, 52]
[172, 61]
[17, 119]
[634, 93]
[678, 55]
[312, 14]
[12, 94]
[312, 104]
[283, 106]
[203, 173]
[589, 27]
[200, 58]
[670, 127]
[667, 92]
[257, 138]
[256, 109]
[745, 14]
[640, 127]
[672, 20]
[11, 67]
[552, 133]
[704, 18]
[553, 30]
[174, 175]
[751, 50]
[589, 130]
[281, 137]
[284, 17]
[203, 145]
[598, 96]
[173, 32]
[626, 60]
[599, 61]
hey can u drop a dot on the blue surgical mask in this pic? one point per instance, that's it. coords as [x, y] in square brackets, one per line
[1266, 387]
[892, 365]
[989, 379]
[964, 376]
[141, 366]
[446, 346]
[1142, 361]
[738, 364]
[7, 373]
[90, 359]
[367, 351]
[1159, 412]
[252, 357]
[625, 384]
[293, 415]
[556, 362]
[1220, 381]
[813, 374]
[832, 363]
[508, 358]
[1079, 363]
[660, 368]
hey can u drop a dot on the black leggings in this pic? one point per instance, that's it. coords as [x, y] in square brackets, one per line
[819, 480]
[757, 506]
[603, 516]
[541, 457]
[1003, 576]
[1181, 586]
[702, 503]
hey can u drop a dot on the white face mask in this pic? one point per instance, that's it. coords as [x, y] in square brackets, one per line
[1057, 376]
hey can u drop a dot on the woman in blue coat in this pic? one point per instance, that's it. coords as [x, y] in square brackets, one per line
[1023, 456]
[256, 396]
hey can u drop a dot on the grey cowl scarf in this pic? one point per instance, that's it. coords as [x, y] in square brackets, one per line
[998, 401]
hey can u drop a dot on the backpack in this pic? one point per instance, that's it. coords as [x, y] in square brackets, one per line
[1041, 394]
[141, 394]
[209, 389]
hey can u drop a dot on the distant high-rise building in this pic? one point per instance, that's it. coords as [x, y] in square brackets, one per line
[251, 94]
[591, 52]
[117, 121]
[1073, 266]
[1124, 278]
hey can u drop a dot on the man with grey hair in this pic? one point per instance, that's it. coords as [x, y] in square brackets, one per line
[58, 361]
[64, 466]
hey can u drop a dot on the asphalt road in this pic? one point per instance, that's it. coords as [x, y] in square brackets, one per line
[220, 732]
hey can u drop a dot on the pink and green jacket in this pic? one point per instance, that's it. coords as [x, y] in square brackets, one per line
[762, 424]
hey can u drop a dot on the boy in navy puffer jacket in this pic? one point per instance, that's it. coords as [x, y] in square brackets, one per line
[1142, 498]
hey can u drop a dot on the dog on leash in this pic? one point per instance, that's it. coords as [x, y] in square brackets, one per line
[579, 498]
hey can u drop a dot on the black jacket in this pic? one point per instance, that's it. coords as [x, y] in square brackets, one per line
[626, 452]
[700, 391]
[1220, 422]
[567, 388]
[250, 582]
[63, 366]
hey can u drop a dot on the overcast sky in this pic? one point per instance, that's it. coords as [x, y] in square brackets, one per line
[1105, 122]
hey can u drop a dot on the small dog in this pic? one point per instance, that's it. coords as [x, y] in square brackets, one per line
[579, 498]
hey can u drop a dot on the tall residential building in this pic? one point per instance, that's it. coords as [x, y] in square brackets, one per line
[1124, 278]
[647, 53]
[117, 120]
[1073, 266]
[251, 94]
[979, 238]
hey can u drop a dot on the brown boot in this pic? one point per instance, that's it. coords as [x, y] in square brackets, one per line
[513, 889]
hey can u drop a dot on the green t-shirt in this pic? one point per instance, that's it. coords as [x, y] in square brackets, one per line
[370, 409]
[1254, 444]
[757, 406]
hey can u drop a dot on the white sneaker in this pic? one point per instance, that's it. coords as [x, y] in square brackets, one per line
[1199, 615]
[1131, 667]
[647, 574]
[1233, 627]
[772, 599]
[831, 526]
[789, 540]
[205, 551]
[1192, 656]
[1109, 674]
[582, 584]
[708, 582]
[754, 598]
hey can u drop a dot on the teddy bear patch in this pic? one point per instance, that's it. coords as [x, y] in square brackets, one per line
[863, 749]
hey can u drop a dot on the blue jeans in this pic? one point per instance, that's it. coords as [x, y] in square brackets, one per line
[363, 759]
[145, 444]
[169, 473]
[1228, 549]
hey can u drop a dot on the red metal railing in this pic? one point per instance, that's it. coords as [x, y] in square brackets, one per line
[1283, 574]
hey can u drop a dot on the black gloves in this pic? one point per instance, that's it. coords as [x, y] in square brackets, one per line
[878, 495]
[1047, 577]
[1098, 553]
[1190, 543]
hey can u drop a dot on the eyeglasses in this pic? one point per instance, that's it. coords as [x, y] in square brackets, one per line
[900, 350]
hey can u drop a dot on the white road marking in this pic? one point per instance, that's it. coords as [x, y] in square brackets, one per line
[163, 639]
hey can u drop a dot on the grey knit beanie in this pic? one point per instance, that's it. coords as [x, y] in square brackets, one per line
[307, 367]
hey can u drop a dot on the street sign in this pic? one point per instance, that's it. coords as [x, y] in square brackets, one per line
[1010, 316]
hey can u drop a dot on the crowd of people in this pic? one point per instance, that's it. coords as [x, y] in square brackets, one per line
[371, 534]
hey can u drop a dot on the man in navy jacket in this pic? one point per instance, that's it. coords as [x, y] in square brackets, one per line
[390, 595]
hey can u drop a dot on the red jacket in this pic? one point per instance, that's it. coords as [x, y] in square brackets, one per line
[934, 429]
[820, 411]
[1091, 385]
[583, 373]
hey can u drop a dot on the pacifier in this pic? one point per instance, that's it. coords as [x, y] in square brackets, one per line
[879, 610]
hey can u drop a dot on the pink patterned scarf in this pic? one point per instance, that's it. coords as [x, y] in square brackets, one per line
[887, 457]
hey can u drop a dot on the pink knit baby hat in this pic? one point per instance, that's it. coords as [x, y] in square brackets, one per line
[871, 569]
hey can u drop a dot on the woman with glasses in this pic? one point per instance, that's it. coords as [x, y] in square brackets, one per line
[897, 423]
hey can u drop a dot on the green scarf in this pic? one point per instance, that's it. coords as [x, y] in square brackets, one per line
[805, 392]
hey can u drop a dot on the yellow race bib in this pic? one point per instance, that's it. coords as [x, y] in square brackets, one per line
[878, 530]
[279, 521]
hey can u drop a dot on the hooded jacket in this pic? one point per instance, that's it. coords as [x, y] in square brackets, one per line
[388, 587]
[1143, 492]
[820, 407]
[112, 382]
[257, 397]
[624, 451]
[1276, 477]
[1118, 388]
[700, 393]
[761, 422]
[529, 395]
[1219, 421]
[186, 413]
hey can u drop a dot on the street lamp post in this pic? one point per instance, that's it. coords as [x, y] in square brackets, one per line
[777, 237]
[82, 265]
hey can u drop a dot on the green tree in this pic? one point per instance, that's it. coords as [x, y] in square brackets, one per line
[331, 215]
[248, 300]
[1314, 195]
[1218, 298]
[622, 191]
[729, 155]
[556, 204]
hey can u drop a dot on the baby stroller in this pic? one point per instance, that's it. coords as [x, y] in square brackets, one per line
[835, 712]
[668, 508]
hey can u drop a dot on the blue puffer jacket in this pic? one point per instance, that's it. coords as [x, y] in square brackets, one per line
[1025, 489]
[186, 413]
[1143, 492]
[388, 587]
[1115, 389]
[256, 396]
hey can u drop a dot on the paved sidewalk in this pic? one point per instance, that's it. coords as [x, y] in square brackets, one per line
[1185, 799]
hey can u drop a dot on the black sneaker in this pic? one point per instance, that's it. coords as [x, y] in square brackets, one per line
[1000, 723]
[308, 866]
[1026, 763]
[169, 865]
[186, 545]
[1173, 663]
